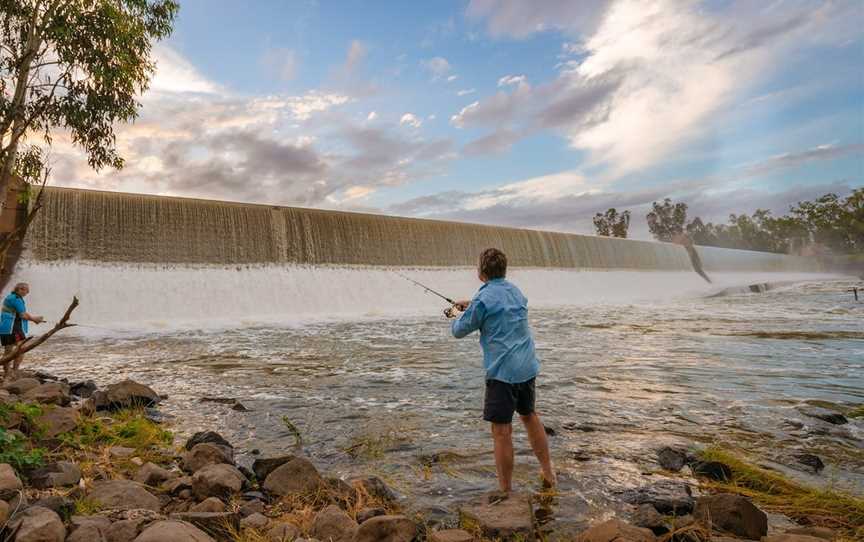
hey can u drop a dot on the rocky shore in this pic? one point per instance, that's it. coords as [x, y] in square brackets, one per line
[79, 463]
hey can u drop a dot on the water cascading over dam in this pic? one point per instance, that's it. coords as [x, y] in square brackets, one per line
[134, 258]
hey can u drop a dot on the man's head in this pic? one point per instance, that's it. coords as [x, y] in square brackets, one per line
[22, 289]
[493, 265]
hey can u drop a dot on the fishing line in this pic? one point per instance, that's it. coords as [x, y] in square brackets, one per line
[426, 288]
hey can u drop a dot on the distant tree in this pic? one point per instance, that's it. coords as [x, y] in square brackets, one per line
[75, 67]
[835, 223]
[612, 224]
[667, 220]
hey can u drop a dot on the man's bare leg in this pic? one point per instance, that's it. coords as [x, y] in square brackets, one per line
[17, 362]
[502, 435]
[540, 445]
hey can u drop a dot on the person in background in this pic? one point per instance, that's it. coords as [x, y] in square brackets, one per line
[13, 324]
[500, 312]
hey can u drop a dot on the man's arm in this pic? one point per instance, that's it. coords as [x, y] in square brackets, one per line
[34, 319]
[470, 321]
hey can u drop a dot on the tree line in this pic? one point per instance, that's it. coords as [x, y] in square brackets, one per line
[828, 224]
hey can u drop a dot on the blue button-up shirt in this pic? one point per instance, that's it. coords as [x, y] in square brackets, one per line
[500, 312]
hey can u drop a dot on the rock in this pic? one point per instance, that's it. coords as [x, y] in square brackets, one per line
[341, 491]
[151, 474]
[732, 513]
[88, 529]
[669, 497]
[254, 495]
[333, 524]
[210, 437]
[217, 481]
[83, 389]
[282, 532]
[296, 476]
[123, 495]
[788, 537]
[125, 394]
[251, 507]
[812, 461]
[37, 524]
[51, 393]
[173, 531]
[121, 452]
[10, 484]
[57, 474]
[255, 521]
[205, 454]
[264, 466]
[137, 461]
[585, 428]
[4, 512]
[451, 535]
[374, 487]
[671, 459]
[386, 529]
[823, 414]
[210, 504]
[62, 506]
[712, 469]
[817, 532]
[217, 524]
[57, 420]
[617, 531]
[185, 494]
[648, 517]
[21, 385]
[369, 513]
[176, 485]
[512, 517]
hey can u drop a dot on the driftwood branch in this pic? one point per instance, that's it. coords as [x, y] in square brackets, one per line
[32, 342]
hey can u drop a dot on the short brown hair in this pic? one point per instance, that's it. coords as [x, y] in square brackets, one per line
[493, 264]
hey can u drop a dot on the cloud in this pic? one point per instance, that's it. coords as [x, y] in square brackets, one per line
[357, 52]
[508, 80]
[176, 74]
[466, 91]
[437, 66]
[282, 62]
[411, 120]
[794, 159]
[452, 78]
[494, 143]
[372, 116]
[520, 19]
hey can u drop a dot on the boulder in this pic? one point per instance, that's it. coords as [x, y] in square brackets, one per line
[57, 420]
[712, 469]
[4, 512]
[219, 525]
[671, 459]
[83, 389]
[21, 385]
[176, 485]
[282, 532]
[52, 393]
[341, 491]
[125, 530]
[264, 466]
[646, 516]
[369, 513]
[374, 487]
[788, 537]
[62, 506]
[451, 535]
[88, 529]
[10, 484]
[37, 524]
[255, 521]
[151, 474]
[669, 497]
[210, 504]
[251, 507]
[823, 414]
[508, 518]
[296, 476]
[615, 530]
[818, 532]
[123, 495]
[121, 452]
[386, 529]
[333, 524]
[811, 461]
[210, 437]
[173, 531]
[205, 454]
[57, 474]
[732, 513]
[217, 481]
[129, 393]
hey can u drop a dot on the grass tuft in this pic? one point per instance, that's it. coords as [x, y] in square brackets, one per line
[776, 493]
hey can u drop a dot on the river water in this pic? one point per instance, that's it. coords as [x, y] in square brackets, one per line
[398, 397]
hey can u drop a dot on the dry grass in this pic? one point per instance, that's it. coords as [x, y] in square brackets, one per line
[807, 505]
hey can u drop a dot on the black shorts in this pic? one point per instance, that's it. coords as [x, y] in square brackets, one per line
[11, 339]
[502, 399]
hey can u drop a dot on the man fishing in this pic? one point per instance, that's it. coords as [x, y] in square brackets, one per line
[500, 312]
[13, 324]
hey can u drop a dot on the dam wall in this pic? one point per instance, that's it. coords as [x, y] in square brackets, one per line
[94, 226]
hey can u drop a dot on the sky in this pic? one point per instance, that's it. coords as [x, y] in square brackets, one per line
[529, 114]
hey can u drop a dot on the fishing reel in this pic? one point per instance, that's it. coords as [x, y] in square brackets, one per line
[452, 312]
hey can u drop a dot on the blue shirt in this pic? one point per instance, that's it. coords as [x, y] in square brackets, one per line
[11, 305]
[500, 312]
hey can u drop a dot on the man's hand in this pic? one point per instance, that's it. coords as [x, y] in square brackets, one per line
[452, 312]
[462, 305]
[38, 320]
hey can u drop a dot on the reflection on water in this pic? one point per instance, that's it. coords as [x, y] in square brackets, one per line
[402, 399]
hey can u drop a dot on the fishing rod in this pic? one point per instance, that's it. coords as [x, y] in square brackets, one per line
[426, 288]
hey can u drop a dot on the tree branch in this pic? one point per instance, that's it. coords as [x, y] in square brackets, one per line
[32, 342]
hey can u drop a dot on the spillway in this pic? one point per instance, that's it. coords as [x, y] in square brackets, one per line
[164, 260]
